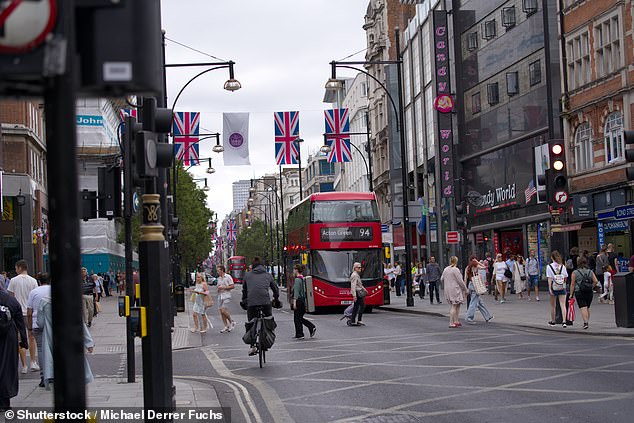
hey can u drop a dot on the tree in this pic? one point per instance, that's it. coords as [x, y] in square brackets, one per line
[253, 242]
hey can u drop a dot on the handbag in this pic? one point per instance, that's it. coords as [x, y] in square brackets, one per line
[361, 293]
[479, 286]
[193, 298]
[208, 301]
[507, 273]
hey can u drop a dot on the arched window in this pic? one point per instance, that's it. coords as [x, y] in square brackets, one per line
[614, 144]
[583, 147]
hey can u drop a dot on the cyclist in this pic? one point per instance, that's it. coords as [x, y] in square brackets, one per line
[255, 293]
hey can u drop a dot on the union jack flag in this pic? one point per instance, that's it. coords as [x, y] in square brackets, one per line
[232, 232]
[128, 112]
[286, 132]
[337, 135]
[185, 128]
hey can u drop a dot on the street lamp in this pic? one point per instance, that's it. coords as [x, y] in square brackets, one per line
[326, 149]
[335, 84]
[206, 187]
[210, 169]
[277, 237]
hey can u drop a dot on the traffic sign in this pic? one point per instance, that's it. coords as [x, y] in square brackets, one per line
[24, 25]
[135, 202]
[452, 237]
[561, 197]
[624, 212]
[385, 228]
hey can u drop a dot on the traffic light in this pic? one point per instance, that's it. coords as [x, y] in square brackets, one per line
[557, 176]
[628, 137]
[174, 221]
[542, 180]
[88, 204]
[109, 185]
[152, 154]
[461, 216]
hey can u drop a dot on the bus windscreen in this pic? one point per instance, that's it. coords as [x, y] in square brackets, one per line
[336, 266]
[345, 211]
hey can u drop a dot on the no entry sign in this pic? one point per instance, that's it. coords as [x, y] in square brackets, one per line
[24, 24]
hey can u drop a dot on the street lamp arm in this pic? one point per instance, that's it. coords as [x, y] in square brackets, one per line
[339, 65]
[367, 168]
[191, 80]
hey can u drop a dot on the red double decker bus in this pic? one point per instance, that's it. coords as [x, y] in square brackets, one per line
[237, 268]
[328, 233]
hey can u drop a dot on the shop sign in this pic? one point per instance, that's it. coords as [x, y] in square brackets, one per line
[496, 243]
[503, 196]
[582, 205]
[565, 228]
[600, 234]
[443, 91]
[616, 226]
[452, 237]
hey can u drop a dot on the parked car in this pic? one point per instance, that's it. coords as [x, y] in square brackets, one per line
[211, 281]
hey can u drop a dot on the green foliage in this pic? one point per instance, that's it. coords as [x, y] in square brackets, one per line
[194, 241]
[253, 242]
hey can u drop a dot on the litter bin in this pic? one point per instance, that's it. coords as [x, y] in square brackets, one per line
[624, 299]
[179, 298]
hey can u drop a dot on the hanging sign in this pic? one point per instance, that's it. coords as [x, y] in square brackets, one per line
[24, 25]
[443, 103]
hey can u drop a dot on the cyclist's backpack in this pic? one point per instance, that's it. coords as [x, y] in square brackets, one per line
[250, 335]
[6, 323]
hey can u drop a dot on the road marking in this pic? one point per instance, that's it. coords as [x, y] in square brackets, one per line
[271, 400]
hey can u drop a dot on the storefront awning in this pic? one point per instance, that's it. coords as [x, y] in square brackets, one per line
[511, 223]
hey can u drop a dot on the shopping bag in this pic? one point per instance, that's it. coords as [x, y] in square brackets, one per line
[571, 310]
[479, 286]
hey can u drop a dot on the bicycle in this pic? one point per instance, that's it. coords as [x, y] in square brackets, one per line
[264, 334]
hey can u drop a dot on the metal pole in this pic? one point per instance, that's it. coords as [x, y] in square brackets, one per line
[277, 240]
[127, 220]
[367, 146]
[299, 161]
[406, 227]
[61, 134]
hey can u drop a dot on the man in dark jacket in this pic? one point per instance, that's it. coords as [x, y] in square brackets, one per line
[11, 325]
[255, 292]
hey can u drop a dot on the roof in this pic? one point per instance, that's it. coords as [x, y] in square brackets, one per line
[339, 196]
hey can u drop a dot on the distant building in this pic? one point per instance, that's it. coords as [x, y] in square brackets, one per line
[241, 194]
[318, 175]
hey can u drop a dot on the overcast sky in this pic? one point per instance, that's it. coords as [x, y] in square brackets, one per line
[282, 51]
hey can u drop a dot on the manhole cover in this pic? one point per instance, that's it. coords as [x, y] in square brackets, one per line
[392, 418]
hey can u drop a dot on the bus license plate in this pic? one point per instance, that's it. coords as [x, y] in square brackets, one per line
[346, 302]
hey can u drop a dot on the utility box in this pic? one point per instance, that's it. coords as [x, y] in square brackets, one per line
[624, 299]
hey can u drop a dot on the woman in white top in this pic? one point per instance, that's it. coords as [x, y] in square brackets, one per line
[519, 277]
[391, 277]
[499, 267]
[557, 275]
[225, 285]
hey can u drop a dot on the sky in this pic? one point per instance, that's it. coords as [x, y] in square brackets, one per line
[282, 50]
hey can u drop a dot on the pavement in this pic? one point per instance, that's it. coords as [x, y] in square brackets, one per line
[112, 390]
[528, 314]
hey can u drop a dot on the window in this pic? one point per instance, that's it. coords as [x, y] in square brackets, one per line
[489, 30]
[535, 72]
[326, 168]
[476, 106]
[607, 38]
[512, 84]
[583, 147]
[493, 94]
[529, 7]
[508, 17]
[578, 52]
[326, 187]
[614, 143]
[472, 41]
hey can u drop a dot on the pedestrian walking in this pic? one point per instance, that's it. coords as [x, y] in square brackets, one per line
[20, 287]
[88, 291]
[501, 276]
[391, 277]
[419, 277]
[432, 270]
[601, 262]
[33, 304]
[299, 305]
[4, 281]
[532, 270]
[455, 291]
[225, 286]
[608, 285]
[471, 272]
[199, 292]
[45, 321]
[557, 275]
[582, 283]
[398, 272]
[358, 292]
[13, 337]
[519, 277]
[97, 295]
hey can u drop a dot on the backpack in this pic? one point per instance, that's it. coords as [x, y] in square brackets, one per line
[585, 284]
[6, 322]
[559, 282]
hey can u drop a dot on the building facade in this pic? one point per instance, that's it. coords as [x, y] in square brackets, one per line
[318, 175]
[24, 224]
[241, 193]
[597, 53]
[507, 94]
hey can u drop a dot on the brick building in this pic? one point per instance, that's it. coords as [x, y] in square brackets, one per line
[24, 224]
[597, 72]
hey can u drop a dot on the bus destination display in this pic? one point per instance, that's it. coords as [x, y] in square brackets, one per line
[355, 233]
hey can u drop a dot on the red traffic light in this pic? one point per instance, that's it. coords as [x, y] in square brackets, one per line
[557, 149]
